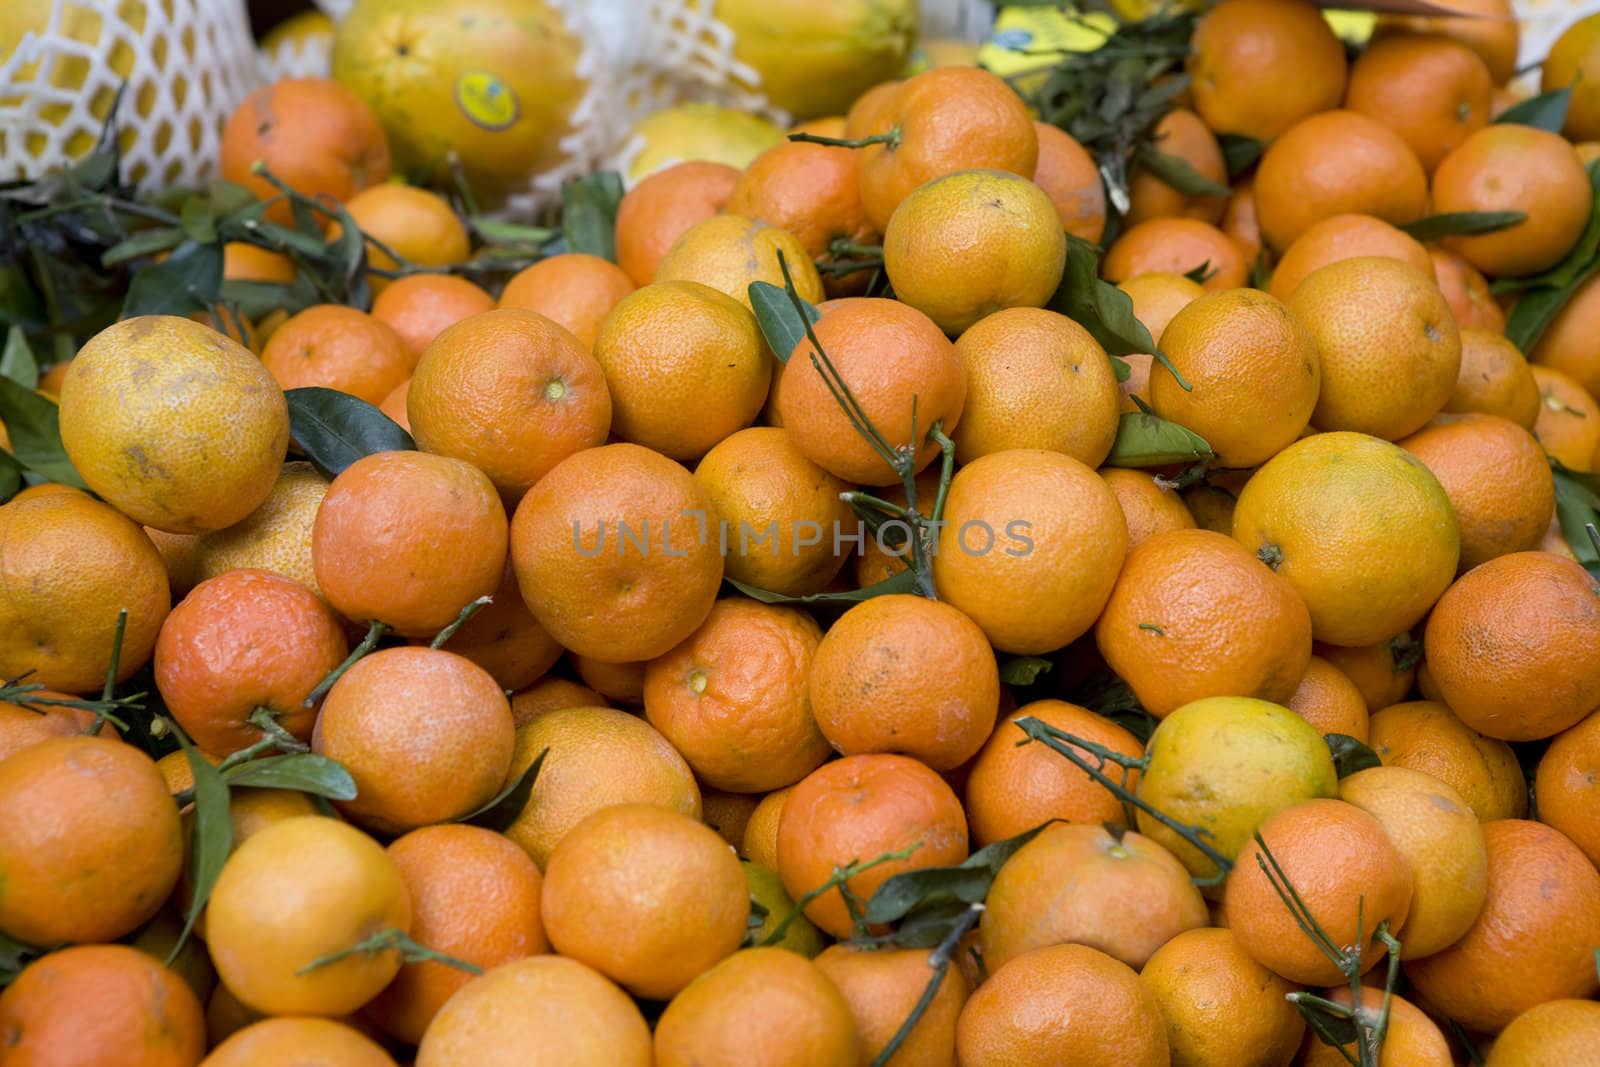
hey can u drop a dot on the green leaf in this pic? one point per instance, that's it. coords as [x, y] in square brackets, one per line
[780, 323]
[303, 772]
[1455, 223]
[966, 883]
[1350, 755]
[16, 359]
[1200, 274]
[1578, 505]
[1176, 172]
[335, 429]
[14, 956]
[349, 258]
[1538, 307]
[197, 221]
[10, 476]
[902, 582]
[275, 238]
[1547, 111]
[213, 835]
[510, 233]
[1331, 1029]
[143, 243]
[1024, 670]
[1145, 440]
[228, 198]
[503, 810]
[1097, 305]
[189, 280]
[589, 213]
[927, 927]
[1240, 152]
[255, 299]
[33, 422]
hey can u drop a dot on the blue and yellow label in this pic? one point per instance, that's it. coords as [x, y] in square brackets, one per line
[1030, 39]
[486, 100]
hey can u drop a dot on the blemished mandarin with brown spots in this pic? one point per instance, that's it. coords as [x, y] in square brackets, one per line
[338, 347]
[173, 424]
[1330, 701]
[1219, 1005]
[421, 306]
[1494, 379]
[728, 252]
[408, 539]
[871, 692]
[1184, 135]
[93, 846]
[1519, 624]
[1432, 91]
[510, 392]
[574, 290]
[426, 734]
[1253, 373]
[648, 897]
[733, 697]
[1148, 506]
[1260, 66]
[1071, 179]
[882, 986]
[657, 211]
[275, 1040]
[1194, 614]
[1534, 939]
[859, 808]
[1343, 237]
[1411, 1037]
[1567, 785]
[1466, 290]
[812, 192]
[1176, 246]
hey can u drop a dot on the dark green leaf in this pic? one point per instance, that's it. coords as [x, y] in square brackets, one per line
[1119, 366]
[275, 238]
[14, 956]
[16, 359]
[189, 280]
[903, 582]
[1454, 223]
[227, 198]
[302, 772]
[965, 883]
[349, 257]
[589, 213]
[143, 243]
[927, 927]
[1350, 755]
[33, 422]
[1145, 440]
[1176, 172]
[1240, 152]
[213, 835]
[1538, 307]
[1547, 111]
[197, 220]
[1097, 305]
[1331, 1029]
[1261, 273]
[780, 322]
[1578, 505]
[1201, 273]
[504, 809]
[10, 476]
[255, 299]
[335, 429]
[1024, 670]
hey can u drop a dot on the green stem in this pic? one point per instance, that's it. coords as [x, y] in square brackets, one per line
[840, 876]
[374, 633]
[1594, 534]
[393, 939]
[853, 497]
[890, 138]
[939, 959]
[461, 620]
[842, 247]
[266, 720]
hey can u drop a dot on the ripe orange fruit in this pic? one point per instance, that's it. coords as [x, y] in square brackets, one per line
[313, 134]
[244, 262]
[1070, 178]
[810, 190]
[855, 810]
[941, 121]
[574, 290]
[419, 307]
[1013, 787]
[1035, 379]
[733, 697]
[1519, 624]
[444, 543]
[474, 896]
[1253, 369]
[1348, 874]
[728, 252]
[686, 366]
[620, 683]
[657, 211]
[394, 405]
[506, 640]
[1494, 38]
[179, 555]
[762, 1007]
[1194, 614]
[1494, 380]
[1382, 671]
[1031, 549]
[1497, 479]
[779, 511]
[1564, 346]
[646, 896]
[1532, 942]
[1511, 167]
[579, 776]
[882, 987]
[871, 690]
[1259, 66]
[1426, 736]
[92, 846]
[1337, 505]
[244, 640]
[548, 1006]
[1157, 299]
[1574, 62]
[1557, 1031]
[1432, 91]
[341, 348]
[1565, 784]
[1410, 1038]
[1120, 893]
[1221, 1006]
[1239, 219]
[1568, 425]
[1182, 134]
[142, 404]
[23, 727]
[510, 392]
[759, 844]
[974, 242]
[101, 1004]
[1466, 290]
[1061, 1004]
[1149, 507]
[275, 536]
[275, 1040]
[70, 565]
[886, 353]
[630, 592]
[299, 890]
[1340, 237]
[417, 225]
[550, 694]
[426, 734]
[1176, 246]
[1328, 700]
[1334, 163]
[728, 814]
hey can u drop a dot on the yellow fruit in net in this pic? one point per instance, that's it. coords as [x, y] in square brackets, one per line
[815, 59]
[494, 81]
[700, 133]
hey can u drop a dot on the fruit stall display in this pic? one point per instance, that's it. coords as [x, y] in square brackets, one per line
[778, 534]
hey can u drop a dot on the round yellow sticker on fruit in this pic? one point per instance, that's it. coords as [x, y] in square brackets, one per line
[486, 100]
